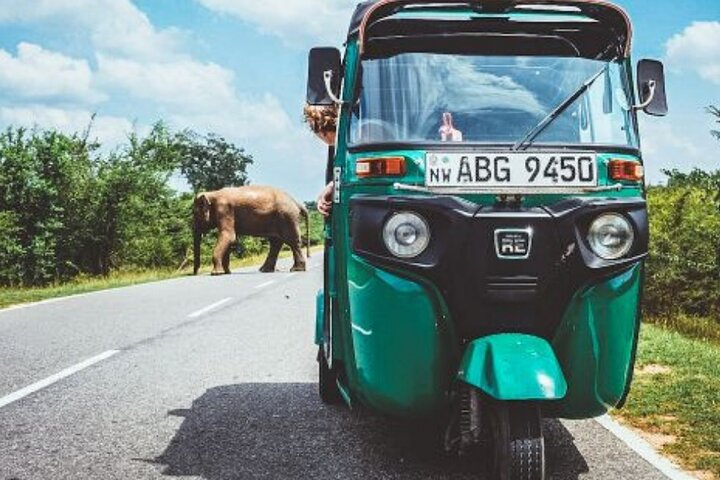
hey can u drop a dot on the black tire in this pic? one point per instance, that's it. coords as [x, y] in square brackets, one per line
[517, 448]
[327, 384]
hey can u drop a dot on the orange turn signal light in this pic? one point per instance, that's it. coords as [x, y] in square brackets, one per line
[380, 167]
[628, 170]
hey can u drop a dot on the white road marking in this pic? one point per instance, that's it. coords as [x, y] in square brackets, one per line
[643, 448]
[266, 284]
[30, 389]
[205, 310]
[23, 306]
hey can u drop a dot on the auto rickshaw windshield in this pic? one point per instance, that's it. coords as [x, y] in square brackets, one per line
[492, 99]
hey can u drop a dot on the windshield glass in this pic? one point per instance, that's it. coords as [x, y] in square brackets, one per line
[421, 97]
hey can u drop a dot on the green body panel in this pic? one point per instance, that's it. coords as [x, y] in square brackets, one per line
[596, 344]
[402, 350]
[319, 316]
[513, 366]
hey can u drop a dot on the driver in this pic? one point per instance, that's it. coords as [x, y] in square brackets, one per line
[448, 132]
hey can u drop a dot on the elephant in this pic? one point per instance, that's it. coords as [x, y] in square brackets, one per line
[258, 211]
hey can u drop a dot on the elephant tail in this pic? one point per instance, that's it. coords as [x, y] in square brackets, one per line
[304, 213]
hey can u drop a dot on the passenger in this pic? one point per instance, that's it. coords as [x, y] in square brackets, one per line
[322, 120]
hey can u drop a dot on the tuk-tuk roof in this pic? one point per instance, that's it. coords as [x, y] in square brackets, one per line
[610, 16]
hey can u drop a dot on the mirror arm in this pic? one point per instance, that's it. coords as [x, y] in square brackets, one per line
[328, 76]
[652, 85]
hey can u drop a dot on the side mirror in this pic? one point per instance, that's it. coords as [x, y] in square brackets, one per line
[651, 88]
[324, 74]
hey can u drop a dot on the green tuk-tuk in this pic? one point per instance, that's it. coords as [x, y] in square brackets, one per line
[484, 256]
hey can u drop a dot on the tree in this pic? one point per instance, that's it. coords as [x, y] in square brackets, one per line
[45, 203]
[209, 162]
[141, 222]
[715, 111]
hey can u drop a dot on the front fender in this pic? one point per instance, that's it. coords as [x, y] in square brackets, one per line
[513, 366]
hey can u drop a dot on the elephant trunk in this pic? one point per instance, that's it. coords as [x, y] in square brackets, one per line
[197, 239]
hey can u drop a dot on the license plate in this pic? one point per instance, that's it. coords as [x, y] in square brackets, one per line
[511, 170]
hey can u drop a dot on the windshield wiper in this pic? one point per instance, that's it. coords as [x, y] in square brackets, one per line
[557, 111]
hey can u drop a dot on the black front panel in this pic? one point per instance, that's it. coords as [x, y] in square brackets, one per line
[500, 269]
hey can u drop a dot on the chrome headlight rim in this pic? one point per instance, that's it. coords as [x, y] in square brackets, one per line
[626, 230]
[405, 219]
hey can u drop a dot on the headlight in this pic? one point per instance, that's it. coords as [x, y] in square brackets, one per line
[611, 236]
[406, 234]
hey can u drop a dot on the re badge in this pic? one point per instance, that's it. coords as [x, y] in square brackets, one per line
[513, 244]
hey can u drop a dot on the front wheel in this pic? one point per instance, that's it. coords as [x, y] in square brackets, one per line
[516, 450]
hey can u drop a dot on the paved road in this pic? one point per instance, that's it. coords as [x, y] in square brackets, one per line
[220, 393]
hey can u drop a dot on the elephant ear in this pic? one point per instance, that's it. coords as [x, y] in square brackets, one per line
[202, 207]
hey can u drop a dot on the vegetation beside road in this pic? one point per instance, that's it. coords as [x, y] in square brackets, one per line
[674, 398]
[70, 209]
[683, 270]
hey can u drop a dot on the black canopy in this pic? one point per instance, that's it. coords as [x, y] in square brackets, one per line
[360, 12]
[608, 38]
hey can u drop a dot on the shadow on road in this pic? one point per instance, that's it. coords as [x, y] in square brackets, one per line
[283, 431]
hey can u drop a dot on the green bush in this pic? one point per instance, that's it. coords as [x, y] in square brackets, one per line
[683, 270]
[10, 250]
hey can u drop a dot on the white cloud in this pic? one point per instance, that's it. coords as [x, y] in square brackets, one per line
[197, 95]
[681, 143]
[242, 119]
[149, 69]
[109, 130]
[135, 60]
[115, 26]
[39, 73]
[319, 20]
[697, 48]
[183, 84]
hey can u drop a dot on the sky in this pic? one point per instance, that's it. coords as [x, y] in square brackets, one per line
[238, 68]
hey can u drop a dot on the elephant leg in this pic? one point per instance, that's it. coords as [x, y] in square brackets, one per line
[226, 261]
[295, 245]
[292, 237]
[271, 260]
[298, 259]
[222, 249]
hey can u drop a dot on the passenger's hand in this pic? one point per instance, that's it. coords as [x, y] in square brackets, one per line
[325, 200]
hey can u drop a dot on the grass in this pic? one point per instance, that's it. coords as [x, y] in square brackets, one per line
[675, 398]
[85, 284]
[701, 328]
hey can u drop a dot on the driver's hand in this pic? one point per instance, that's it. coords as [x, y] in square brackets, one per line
[325, 200]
